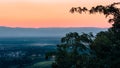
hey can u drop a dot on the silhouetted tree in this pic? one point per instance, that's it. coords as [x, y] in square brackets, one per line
[106, 45]
[87, 51]
[73, 51]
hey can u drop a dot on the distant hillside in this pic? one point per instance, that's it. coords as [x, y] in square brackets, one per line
[44, 32]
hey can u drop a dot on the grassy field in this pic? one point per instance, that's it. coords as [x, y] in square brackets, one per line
[45, 64]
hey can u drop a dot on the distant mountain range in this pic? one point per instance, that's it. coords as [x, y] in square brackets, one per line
[44, 32]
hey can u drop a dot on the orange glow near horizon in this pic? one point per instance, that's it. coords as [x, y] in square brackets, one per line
[50, 13]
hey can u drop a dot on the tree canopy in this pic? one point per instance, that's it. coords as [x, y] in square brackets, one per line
[111, 9]
[88, 51]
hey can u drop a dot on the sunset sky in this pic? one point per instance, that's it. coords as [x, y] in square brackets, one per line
[50, 13]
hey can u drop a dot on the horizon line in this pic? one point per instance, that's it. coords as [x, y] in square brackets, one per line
[54, 27]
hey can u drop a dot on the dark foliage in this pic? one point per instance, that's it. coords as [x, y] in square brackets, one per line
[87, 51]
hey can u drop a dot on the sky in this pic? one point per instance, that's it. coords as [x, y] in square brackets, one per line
[50, 13]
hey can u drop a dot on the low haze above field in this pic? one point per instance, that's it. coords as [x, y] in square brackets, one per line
[50, 13]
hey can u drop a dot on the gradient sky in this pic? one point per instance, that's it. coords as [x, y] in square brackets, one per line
[50, 13]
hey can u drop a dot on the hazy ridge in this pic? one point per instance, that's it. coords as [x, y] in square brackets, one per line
[44, 32]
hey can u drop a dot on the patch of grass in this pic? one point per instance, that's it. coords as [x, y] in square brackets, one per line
[45, 64]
